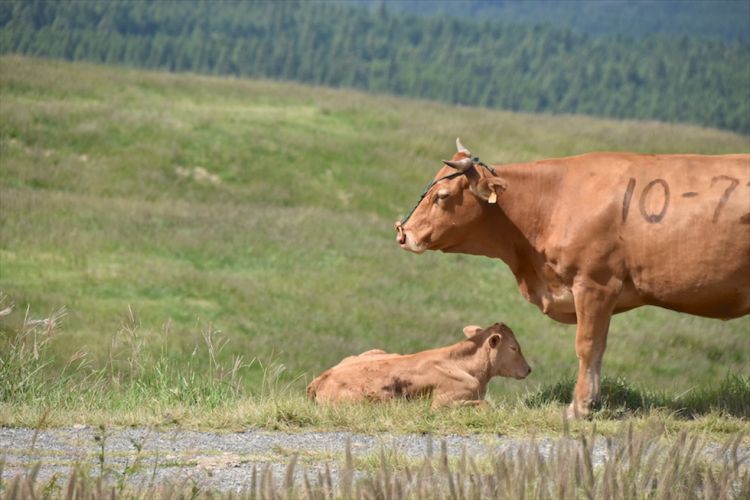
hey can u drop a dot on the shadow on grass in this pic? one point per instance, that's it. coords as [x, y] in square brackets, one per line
[731, 397]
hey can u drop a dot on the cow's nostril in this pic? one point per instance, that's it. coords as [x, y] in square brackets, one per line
[528, 372]
[400, 235]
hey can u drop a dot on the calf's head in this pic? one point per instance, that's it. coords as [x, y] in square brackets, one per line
[504, 353]
[451, 207]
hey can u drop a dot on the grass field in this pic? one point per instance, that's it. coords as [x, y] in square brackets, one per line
[215, 240]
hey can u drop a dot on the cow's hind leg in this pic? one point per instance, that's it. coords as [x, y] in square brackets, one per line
[594, 305]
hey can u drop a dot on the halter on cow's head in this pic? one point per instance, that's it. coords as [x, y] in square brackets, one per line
[456, 199]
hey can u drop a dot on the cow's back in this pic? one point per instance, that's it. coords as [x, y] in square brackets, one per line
[356, 378]
[380, 376]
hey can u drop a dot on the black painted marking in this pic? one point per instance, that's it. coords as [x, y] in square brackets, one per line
[626, 199]
[654, 218]
[689, 194]
[727, 193]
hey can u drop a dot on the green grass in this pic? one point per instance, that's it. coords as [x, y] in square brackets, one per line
[288, 252]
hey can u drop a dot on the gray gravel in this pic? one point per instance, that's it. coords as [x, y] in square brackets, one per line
[225, 461]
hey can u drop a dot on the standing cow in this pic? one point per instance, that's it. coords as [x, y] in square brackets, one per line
[597, 234]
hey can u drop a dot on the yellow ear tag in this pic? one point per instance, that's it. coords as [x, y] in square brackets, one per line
[493, 197]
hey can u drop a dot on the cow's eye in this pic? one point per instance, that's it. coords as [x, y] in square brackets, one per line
[443, 193]
[514, 348]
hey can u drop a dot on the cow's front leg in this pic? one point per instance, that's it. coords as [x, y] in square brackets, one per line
[594, 305]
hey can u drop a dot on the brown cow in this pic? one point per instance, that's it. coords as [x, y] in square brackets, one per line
[457, 373]
[597, 234]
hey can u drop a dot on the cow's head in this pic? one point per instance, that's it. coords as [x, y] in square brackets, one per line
[504, 352]
[451, 206]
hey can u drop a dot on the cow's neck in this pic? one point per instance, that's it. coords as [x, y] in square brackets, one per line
[518, 226]
[470, 357]
[529, 200]
[518, 221]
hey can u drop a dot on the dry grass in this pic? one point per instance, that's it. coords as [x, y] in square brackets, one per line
[635, 465]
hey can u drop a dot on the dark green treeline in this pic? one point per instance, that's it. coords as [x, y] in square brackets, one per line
[458, 60]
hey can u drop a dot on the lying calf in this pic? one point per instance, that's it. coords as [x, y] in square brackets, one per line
[457, 373]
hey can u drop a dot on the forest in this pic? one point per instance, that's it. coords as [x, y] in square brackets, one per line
[488, 62]
[727, 19]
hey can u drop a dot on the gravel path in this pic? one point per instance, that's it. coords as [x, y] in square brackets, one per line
[225, 461]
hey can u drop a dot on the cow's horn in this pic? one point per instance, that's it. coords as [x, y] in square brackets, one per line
[461, 165]
[461, 148]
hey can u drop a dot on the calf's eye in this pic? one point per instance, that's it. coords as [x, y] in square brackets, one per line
[443, 193]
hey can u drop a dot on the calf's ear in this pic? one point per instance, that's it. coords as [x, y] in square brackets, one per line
[494, 340]
[488, 188]
[471, 330]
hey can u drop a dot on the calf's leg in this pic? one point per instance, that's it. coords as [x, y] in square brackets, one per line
[456, 387]
[457, 399]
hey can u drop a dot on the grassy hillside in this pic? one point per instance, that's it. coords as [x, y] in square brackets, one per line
[156, 207]
[502, 57]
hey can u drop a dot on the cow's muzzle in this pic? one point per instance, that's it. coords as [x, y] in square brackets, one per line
[524, 375]
[406, 240]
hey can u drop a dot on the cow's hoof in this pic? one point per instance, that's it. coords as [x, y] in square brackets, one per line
[575, 413]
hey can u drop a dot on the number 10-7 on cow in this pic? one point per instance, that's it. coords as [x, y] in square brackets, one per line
[597, 234]
[657, 217]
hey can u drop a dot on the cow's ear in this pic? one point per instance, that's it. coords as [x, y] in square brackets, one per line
[489, 188]
[494, 340]
[471, 330]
